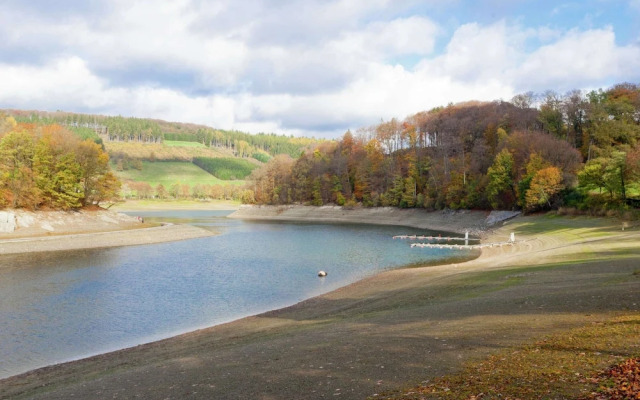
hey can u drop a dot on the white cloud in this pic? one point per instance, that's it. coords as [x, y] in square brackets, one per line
[66, 82]
[380, 40]
[476, 53]
[577, 59]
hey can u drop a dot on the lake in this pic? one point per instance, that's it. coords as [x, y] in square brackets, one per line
[61, 306]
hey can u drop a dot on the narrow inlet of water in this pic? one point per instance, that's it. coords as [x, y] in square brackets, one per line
[56, 307]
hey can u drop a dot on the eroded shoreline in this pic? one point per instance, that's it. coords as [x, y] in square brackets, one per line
[97, 240]
[460, 221]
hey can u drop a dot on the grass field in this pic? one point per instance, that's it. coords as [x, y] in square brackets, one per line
[170, 172]
[184, 151]
[162, 205]
[176, 143]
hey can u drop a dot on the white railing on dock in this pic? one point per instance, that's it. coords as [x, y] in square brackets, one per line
[462, 246]
[465, 246]
[438, 238]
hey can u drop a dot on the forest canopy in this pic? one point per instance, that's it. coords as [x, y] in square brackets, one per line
[260, 146]
[49, 167]
[575, 149]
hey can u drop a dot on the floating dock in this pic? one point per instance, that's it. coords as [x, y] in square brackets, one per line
[466, 246]
[462, 246]
[437, 238]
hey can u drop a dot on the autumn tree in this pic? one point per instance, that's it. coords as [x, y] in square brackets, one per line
[106, 188]
[94, 164]
[58, 174]
[592, 176]
[501, 191]
[551, 116]
[161, 191]
[16, 161]
[545, 185]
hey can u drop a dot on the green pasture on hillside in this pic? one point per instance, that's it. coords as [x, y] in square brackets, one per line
[225, 168]
[178, 143]
[170, 172]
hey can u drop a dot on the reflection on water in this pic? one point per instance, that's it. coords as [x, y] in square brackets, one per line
[66, 305]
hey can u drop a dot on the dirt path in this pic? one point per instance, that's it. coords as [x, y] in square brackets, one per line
[387, 332]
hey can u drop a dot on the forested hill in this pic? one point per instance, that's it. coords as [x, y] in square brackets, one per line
[261, 146]
[578, 150]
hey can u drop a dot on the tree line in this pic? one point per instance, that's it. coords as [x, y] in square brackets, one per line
[260, 146]
[183, 191]
[532, 153]
[49, 167]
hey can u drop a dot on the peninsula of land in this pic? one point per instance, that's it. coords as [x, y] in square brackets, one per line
[394, 330]
[27, 231]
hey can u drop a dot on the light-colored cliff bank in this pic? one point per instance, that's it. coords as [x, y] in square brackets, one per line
[475, 222]
[27, 231]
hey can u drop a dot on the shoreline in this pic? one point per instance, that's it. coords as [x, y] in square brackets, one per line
[477, 223]
[98, 240]
[46, 231]
[322, 322]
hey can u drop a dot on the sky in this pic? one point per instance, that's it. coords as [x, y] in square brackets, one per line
[305, 68]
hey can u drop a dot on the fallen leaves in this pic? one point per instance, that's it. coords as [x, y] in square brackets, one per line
[559, 366]
[621, 381]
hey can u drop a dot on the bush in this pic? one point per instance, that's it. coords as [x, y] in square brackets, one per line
[262, 157]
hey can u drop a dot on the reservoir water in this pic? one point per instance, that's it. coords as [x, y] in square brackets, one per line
[61, 306]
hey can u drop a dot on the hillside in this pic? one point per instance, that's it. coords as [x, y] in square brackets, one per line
[151, 157]
[575, 150]
[146, 130]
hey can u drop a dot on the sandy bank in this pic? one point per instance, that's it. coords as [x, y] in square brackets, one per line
[73, 230]
[476, 222]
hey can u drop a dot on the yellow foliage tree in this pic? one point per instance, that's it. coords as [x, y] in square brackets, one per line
[546, 183]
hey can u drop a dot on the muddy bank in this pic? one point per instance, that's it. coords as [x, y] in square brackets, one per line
[461, 221]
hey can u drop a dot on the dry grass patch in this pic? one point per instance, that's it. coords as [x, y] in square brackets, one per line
[562, 366]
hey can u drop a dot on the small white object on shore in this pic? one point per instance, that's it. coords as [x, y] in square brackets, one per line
[322, 274]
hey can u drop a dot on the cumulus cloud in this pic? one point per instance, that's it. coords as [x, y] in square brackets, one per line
[577, 59]
[66, 82]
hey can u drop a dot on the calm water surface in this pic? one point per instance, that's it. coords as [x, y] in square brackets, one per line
[61, 306]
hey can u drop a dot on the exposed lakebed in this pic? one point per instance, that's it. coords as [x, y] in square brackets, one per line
[61, 306]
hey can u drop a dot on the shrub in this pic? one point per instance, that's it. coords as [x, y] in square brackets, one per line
[262, 157]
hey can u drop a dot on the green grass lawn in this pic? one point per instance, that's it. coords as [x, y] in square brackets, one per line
[177, 143]
[170, 172]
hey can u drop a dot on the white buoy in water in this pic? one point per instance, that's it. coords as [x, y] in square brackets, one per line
[322, 274]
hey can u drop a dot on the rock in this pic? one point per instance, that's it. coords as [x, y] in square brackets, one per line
[25, 220]
[47, 227]
[500, 216]
[7, 222]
